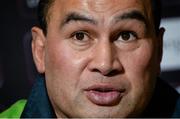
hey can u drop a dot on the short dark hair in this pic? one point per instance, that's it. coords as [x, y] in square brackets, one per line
[157, 13]
[44, 6]
[42, 12]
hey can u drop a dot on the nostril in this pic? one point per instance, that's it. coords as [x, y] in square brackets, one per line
[113, 73]
[96, 70]
[109, 73]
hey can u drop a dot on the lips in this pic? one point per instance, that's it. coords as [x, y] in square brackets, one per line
[104, 95]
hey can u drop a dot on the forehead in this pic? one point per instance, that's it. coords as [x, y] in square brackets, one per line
[100, 5]
[103, 8]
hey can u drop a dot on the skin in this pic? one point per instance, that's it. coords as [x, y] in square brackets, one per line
[79, 54]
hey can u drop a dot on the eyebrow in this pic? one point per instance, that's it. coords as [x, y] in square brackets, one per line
[132, 15]
[74, 16]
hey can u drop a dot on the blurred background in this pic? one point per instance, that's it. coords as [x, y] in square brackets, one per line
[17, 70]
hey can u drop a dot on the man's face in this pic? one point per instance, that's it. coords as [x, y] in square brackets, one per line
[100, 57]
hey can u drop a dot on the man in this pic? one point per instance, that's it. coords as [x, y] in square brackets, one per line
[99, 58]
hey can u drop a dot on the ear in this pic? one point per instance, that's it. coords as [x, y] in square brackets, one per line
[160, 46]
[38, 48]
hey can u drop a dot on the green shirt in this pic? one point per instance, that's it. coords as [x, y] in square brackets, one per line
[15, 110]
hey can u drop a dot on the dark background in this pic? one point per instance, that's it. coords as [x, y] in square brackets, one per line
[17, 71]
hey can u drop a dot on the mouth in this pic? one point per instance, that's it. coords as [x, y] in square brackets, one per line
[104, 95]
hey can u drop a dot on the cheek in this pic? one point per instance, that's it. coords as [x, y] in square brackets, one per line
[140, 70]
[141, 62]
[63, 68]
[61, 60]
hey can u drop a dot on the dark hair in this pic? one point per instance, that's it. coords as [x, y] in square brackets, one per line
[42, 12]
[156, 11]
[44, 6]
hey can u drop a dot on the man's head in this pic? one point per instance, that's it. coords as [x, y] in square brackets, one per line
[100, 57]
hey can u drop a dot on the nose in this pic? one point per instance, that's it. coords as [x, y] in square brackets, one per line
[105, 60]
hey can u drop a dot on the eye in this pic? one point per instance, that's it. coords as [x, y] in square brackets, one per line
[80, 36]
[127, 36]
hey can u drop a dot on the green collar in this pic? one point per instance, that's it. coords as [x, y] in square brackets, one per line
[15, 110]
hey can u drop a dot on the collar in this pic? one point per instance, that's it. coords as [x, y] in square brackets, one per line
[38, 105]
[165, 102]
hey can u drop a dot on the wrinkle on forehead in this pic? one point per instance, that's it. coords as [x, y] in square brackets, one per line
[101, 5]
[103, 8]
[107, 5]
